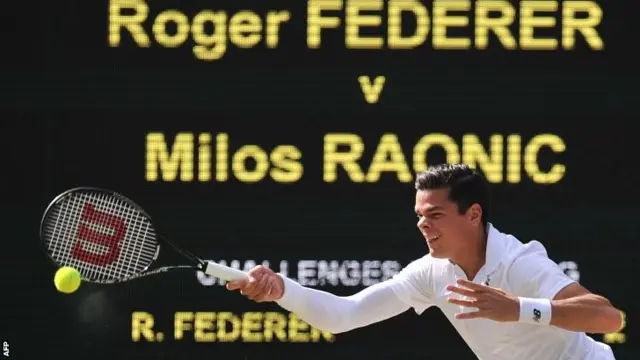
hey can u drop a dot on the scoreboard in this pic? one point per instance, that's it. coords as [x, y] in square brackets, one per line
[409, 57]
[329, 207]
[289, 134]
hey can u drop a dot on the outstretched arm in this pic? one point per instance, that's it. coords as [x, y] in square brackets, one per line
[321, 309]
[340, 314]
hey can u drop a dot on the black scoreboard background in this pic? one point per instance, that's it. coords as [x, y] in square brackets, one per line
[237, 159]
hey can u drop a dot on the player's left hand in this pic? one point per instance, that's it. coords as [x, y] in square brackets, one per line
[491, 303]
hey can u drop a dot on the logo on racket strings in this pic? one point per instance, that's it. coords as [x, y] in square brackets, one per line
[85, 234]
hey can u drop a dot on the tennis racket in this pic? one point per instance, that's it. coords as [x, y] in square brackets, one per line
[110, 239]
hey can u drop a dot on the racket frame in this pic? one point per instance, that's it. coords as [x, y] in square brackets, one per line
[197, 263]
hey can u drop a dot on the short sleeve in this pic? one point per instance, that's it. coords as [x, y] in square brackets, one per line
[413, 284]
[533, 274]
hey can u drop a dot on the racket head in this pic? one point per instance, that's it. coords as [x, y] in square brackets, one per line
[104, 235]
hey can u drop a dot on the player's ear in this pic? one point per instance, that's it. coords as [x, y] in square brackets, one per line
[474, 214]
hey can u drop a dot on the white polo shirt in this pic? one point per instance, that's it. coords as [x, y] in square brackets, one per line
[521, 270]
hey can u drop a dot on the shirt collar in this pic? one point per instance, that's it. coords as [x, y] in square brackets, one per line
[495, 248]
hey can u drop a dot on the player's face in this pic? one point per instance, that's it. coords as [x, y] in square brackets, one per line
[441, 224]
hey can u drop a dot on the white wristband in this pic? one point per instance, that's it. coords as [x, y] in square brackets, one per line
[535, 311]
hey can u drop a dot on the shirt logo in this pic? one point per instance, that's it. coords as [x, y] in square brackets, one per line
[488, 280]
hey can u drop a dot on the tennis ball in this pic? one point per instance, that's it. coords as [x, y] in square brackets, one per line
[67, 279]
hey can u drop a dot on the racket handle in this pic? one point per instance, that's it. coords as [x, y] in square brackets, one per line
[224, 272]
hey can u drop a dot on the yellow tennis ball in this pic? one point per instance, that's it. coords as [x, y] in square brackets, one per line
[67, 279]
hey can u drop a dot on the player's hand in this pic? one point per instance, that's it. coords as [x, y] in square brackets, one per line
[263, 285]
[491, 303]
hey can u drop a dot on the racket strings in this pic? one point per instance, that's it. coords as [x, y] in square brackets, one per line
[120, 267]
[119, 240]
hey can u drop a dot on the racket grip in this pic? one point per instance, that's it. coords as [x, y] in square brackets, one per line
[224, 272]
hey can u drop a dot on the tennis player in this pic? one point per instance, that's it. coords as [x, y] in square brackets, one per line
[507, 299]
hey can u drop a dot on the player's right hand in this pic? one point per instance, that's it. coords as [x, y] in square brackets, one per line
[263, 285]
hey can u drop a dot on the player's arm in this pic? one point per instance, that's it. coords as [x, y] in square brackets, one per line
[576, 308]
[572, 306]
[333, 313]
[542, 294]
[339, 314]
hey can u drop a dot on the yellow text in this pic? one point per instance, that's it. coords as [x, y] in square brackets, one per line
[506, 159]
[457, 24]
[255, 327]
[142, 324]
[248, 164]
[209, 32]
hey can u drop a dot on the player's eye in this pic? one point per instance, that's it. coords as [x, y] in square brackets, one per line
[436, 216]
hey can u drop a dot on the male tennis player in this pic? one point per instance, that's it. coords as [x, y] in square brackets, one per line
[507, 299]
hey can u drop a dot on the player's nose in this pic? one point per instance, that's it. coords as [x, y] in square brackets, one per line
[423, 223]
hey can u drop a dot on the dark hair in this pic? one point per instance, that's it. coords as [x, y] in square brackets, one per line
[466, 186]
